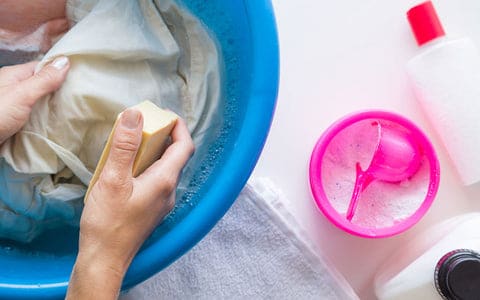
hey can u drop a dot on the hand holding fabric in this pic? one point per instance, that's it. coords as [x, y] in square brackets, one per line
[20, 88]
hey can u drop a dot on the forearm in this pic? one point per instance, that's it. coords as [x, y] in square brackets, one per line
[94, 278]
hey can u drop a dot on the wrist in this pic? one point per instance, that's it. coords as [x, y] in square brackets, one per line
[94, 279]
[105, 261]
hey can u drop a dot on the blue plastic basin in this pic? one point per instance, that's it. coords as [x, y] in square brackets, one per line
[246, 34]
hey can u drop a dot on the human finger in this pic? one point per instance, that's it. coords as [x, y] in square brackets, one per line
[163, 174]
[14, 74]
[126, 140]
[46, 81]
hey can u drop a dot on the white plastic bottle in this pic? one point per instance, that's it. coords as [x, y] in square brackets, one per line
[441, 263]
[445, 77]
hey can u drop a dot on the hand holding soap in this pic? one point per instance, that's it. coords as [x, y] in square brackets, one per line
[157, 126]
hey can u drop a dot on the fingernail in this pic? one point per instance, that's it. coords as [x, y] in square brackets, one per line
[60, 62]
[131, 118]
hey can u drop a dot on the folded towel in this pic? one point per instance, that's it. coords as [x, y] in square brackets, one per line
[257, 251]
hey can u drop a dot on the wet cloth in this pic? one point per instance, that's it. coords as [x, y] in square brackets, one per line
[121, 53]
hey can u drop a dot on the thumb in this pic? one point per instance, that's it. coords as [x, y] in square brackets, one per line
[47, 80]
[126, 140]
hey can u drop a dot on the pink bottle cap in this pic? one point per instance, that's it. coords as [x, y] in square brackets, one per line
[425, 23]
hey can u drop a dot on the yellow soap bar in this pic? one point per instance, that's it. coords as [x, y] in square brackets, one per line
[157, 126]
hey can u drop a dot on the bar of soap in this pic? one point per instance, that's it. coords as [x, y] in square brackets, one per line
[157, 126]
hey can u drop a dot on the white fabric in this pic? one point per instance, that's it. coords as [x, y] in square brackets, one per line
[121, 52]
[257, 251]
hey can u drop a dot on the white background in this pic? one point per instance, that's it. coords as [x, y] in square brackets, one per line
[338, 57]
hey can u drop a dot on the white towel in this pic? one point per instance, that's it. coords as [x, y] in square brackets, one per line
[257, 251]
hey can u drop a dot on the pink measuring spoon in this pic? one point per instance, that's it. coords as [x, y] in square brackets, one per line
[396, 157]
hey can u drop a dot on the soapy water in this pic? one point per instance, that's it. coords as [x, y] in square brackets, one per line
[235, 64]
[382, 204]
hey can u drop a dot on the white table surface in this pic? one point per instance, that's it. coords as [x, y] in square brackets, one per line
[338, 57]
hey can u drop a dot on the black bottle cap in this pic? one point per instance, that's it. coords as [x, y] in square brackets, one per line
[457, 275]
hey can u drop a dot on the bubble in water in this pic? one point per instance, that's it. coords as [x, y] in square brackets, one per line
[235, 81]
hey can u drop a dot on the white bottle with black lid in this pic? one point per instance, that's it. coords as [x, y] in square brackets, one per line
[457, 275]
[441, 263]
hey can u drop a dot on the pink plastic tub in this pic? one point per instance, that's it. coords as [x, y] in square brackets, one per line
[385, 208]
